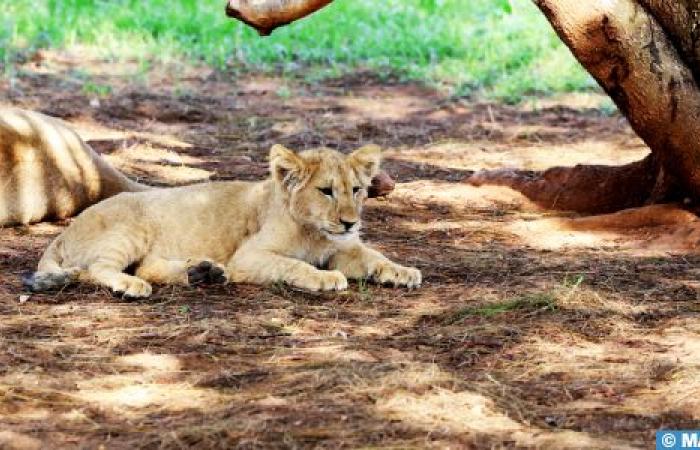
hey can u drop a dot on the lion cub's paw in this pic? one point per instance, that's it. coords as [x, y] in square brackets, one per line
[396, 275]
[206, 272]
[132, 288]
[325, 280]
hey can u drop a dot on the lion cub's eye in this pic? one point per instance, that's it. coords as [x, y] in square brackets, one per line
[326, 191]
[356, 189]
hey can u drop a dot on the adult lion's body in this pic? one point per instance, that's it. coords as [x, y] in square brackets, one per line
[307, 215]
[47, 171]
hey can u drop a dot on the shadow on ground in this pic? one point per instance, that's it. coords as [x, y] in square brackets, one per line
[508, 344]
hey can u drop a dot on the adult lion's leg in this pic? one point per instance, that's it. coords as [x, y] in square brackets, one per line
[263, 267]
[360, 261]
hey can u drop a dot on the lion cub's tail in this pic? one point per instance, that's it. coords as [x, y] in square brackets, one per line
[50, 276]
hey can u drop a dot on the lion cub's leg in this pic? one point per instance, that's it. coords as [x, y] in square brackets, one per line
[109, 272]
[360, 261]
[108, 255]
[263, 267]
[165, 271]
[162, 271]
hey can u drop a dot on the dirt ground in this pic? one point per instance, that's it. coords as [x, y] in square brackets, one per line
[531, 330]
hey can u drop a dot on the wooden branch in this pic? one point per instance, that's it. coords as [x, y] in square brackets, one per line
[266, 15]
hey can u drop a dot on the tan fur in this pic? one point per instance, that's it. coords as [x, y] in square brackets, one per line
[47, 171]
[278, 230]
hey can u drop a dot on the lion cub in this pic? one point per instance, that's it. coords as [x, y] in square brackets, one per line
[305, 216]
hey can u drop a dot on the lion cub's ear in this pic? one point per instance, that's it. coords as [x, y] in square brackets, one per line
[366, 160]
[285, 166]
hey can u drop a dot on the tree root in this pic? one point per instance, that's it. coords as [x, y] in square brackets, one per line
[594, 189]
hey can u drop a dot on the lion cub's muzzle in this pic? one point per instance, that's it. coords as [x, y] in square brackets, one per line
[343, 231]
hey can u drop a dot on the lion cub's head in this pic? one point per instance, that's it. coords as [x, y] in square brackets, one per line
[325, 189]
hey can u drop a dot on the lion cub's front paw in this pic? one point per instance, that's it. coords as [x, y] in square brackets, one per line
[324, 280]
[206, 272]
[396, 275]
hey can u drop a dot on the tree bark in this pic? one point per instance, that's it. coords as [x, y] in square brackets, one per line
[266, 15]
[679, 19]
[645, 54]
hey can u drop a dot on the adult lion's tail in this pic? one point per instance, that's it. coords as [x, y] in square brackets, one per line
[111, 181]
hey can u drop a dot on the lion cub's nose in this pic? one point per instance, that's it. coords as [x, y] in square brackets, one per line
[347, 225]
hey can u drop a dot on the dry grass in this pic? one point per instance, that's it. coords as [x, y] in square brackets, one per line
[507, 345]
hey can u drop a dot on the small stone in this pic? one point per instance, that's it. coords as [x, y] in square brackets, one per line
[340, 334]
[24, 299]
[554, 421]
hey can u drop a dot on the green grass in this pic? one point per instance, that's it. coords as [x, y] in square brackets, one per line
[532, 302]
[493, 47]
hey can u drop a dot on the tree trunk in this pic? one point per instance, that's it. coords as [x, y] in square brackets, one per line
[646, 56]
[266, 15]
